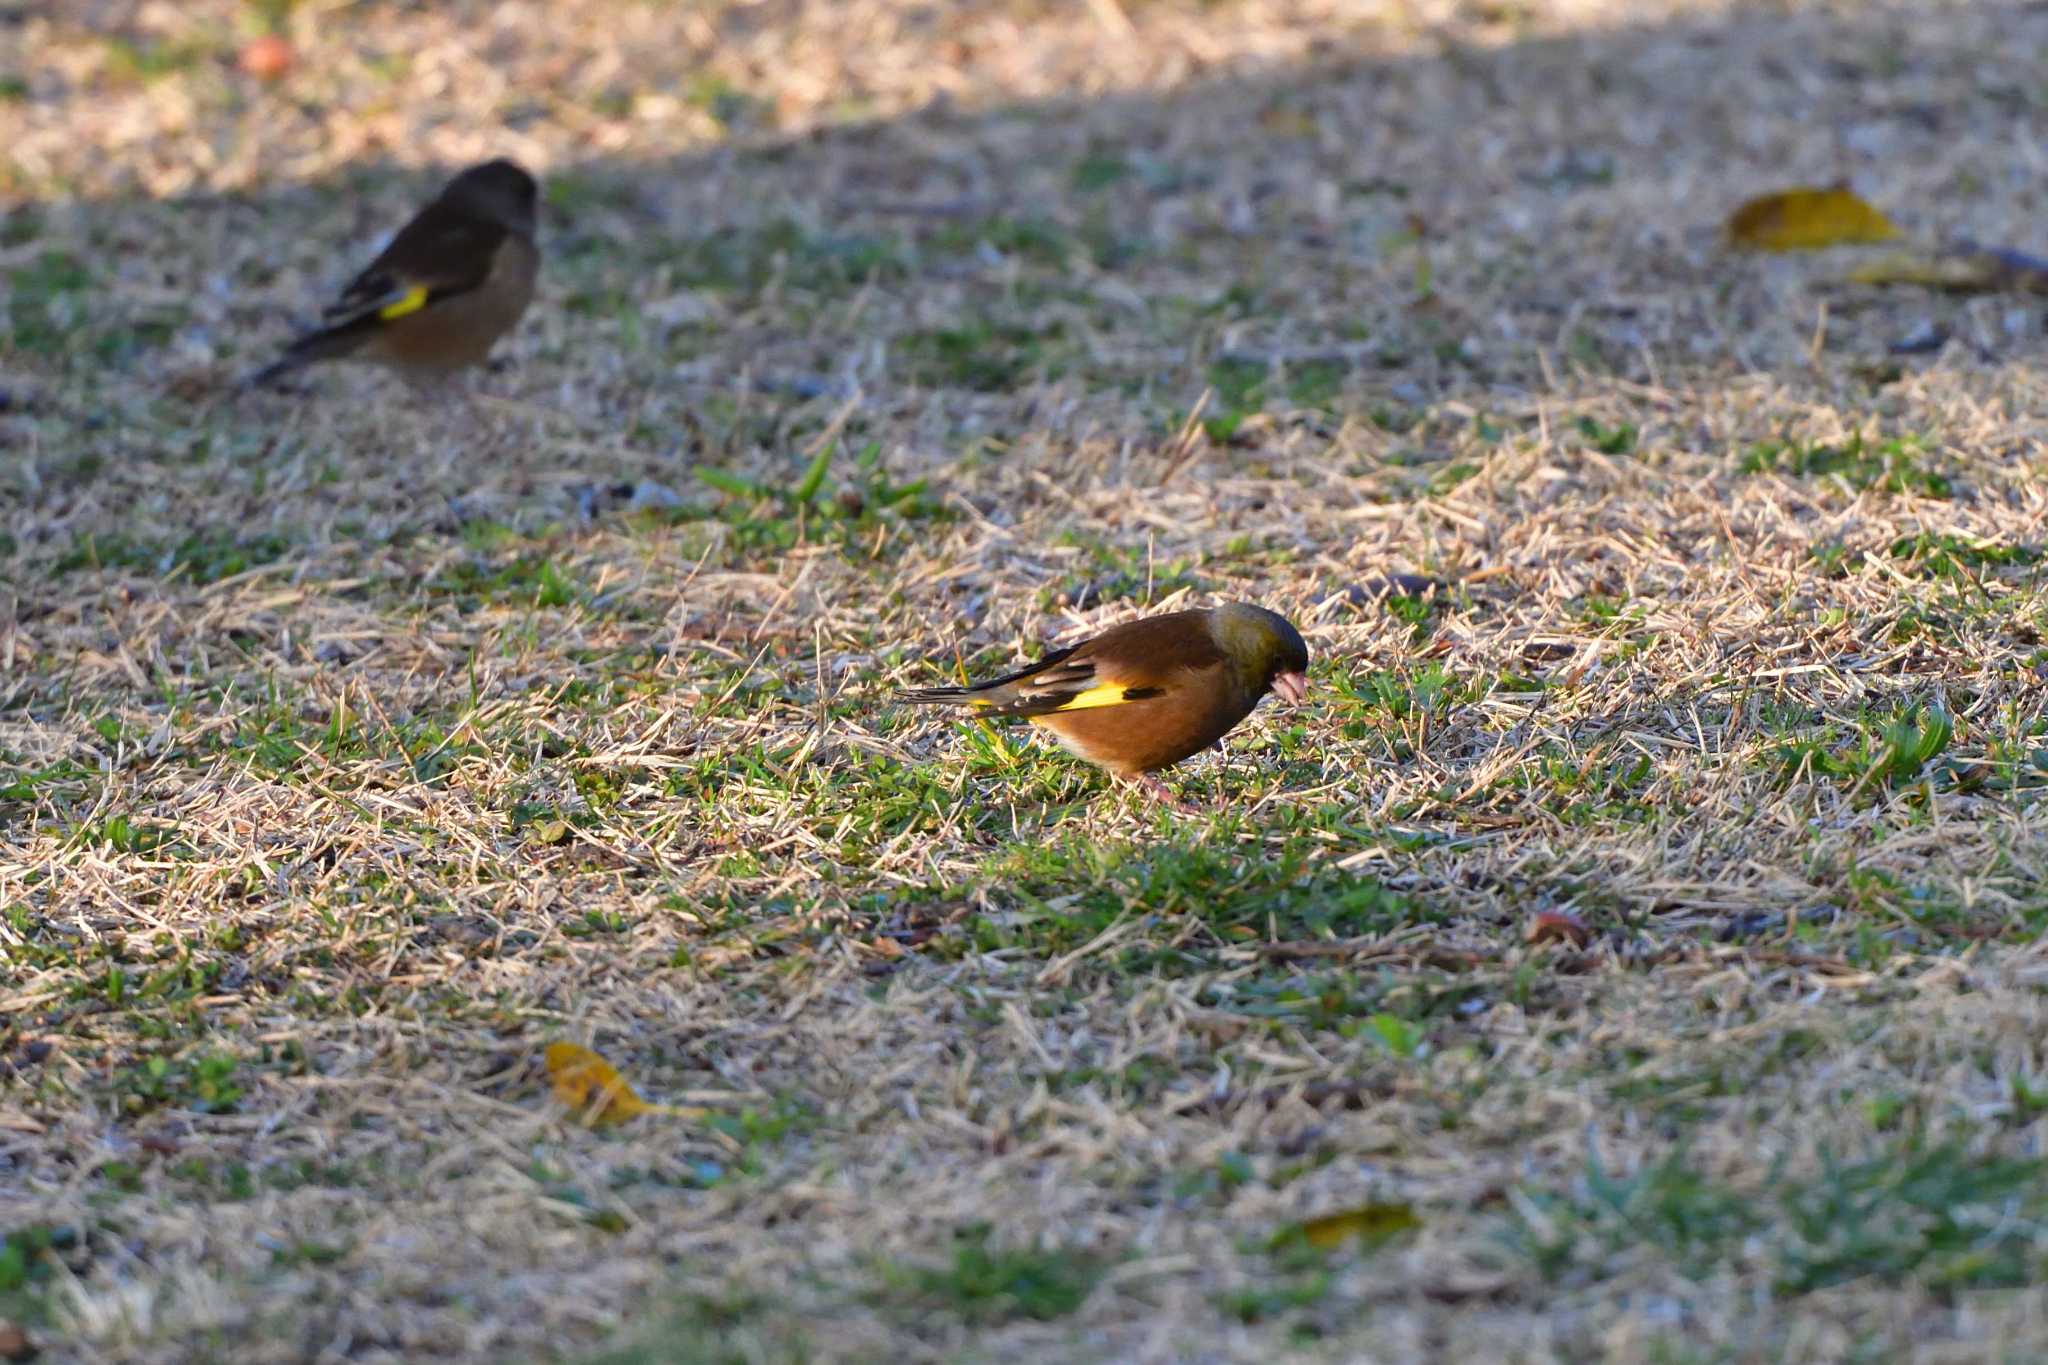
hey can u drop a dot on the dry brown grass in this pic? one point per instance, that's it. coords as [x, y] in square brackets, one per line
[353, 746]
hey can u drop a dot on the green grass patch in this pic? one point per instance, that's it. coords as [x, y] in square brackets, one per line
[1066, 891]
[1113, 571]
[788, 253]
[1619, 439]
[203, 557]
[1884, 750]
[1898, 465]
[1036, 241]
[980, 355]
[984, 1285]
[43, 307]
[841, 499]
[1934, 1215]
[735, 1327]
[204, 1083]
[1945, 555]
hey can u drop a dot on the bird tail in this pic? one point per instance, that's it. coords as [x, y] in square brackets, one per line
[273, 372]
[941, 696]
[325, 344]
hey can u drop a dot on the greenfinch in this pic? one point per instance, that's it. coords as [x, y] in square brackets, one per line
[454, 280]
[1151, 692]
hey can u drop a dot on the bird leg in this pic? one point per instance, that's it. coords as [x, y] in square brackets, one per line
[1150, 784]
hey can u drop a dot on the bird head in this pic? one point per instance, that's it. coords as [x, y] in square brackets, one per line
[1268, 647]
[500, 190]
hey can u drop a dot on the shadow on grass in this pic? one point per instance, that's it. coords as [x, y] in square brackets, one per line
[1361, 234]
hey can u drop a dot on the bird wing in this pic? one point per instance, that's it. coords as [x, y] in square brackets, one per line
[1062, 683]
[1134, 662]
[437, 254]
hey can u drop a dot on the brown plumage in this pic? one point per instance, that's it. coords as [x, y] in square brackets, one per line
[454, 280]
[1149, 693]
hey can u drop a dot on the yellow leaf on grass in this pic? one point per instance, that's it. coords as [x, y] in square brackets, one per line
[1804, 219]
[590, 1086]
[1371, 1224]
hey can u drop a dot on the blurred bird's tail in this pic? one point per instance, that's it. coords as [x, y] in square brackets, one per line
[942, 696]
[271, 373]
[314, 346]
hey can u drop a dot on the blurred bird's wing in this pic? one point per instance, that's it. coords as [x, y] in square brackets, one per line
[1137, 662]
[1067, 681]
[441, 253]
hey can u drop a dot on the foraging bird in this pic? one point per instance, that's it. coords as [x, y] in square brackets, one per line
[454, 280]
[1149, 693]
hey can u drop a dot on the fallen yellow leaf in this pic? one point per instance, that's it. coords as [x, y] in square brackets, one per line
[1371, 1224]
[591, 1087]
[1805, 219]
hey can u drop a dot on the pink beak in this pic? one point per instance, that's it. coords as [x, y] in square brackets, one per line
[1292, 687]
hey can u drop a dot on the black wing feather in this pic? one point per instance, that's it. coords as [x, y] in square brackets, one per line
[450, 255]
[1035, 690]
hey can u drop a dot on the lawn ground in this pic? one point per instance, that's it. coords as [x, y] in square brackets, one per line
[1631, 953]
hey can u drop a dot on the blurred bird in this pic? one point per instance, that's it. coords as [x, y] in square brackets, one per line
[454, 280]
[1149, 693]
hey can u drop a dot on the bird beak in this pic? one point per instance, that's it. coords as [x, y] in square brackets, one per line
[1292, 687]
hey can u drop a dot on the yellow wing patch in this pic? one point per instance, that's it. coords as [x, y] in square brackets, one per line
[411, 301]
[1102, 694]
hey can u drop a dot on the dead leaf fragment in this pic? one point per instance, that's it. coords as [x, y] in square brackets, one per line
[267, 58]
[1807, 219]
[1369, 1224]
[1553, 926]
[592, 1088]
[15, 1343]
[589, 1085]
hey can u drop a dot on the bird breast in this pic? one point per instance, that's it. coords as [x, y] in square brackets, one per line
[1143, 736]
